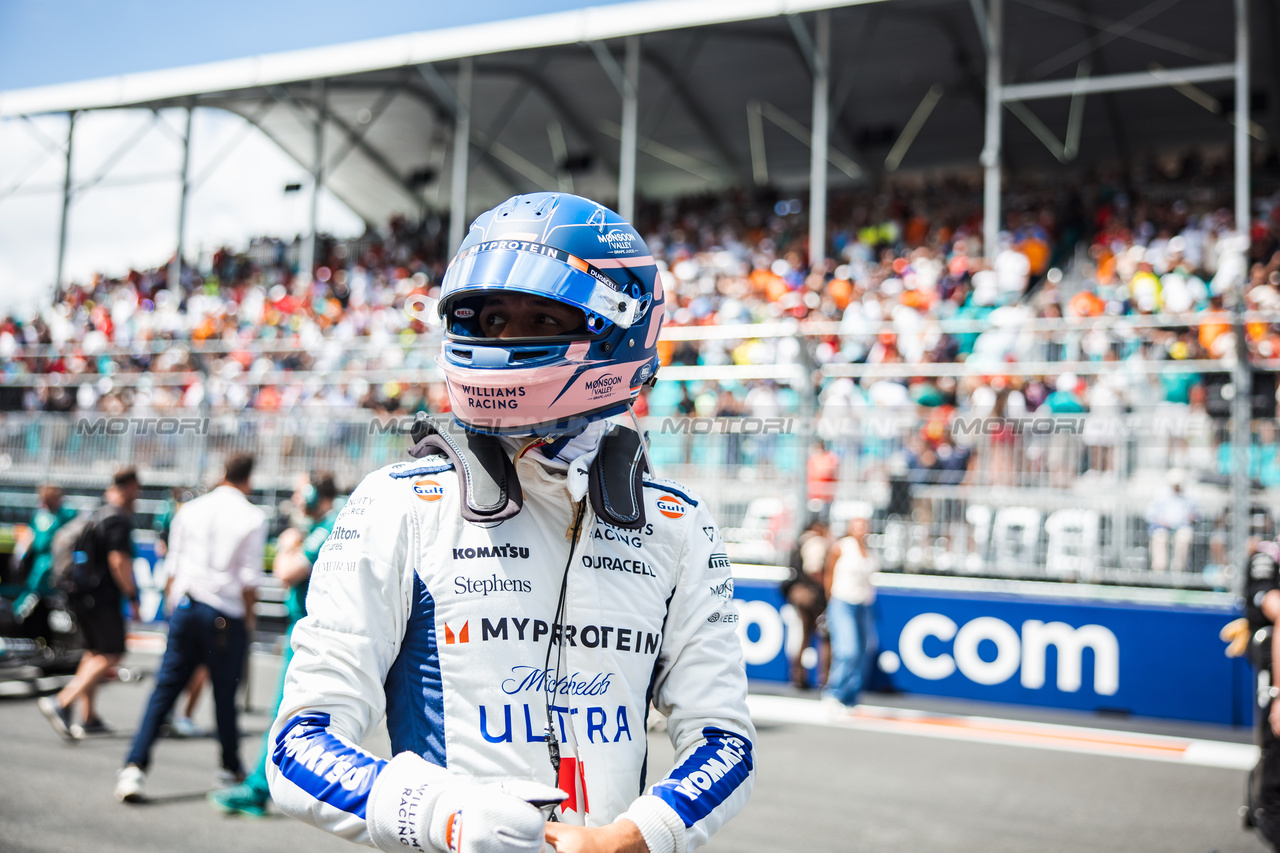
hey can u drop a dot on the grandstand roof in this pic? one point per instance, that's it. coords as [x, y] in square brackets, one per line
[545, 114]
[591, 23]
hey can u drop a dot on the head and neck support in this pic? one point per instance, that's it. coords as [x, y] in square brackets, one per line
[490, 487]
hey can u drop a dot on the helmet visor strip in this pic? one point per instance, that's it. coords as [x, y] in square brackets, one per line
[541, 270]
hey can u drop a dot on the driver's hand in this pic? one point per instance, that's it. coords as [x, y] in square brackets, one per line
[621, 836]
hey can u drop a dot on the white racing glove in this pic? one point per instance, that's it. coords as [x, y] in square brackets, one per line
[415, 805]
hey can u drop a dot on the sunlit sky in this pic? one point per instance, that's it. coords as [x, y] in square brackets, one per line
[129, 219]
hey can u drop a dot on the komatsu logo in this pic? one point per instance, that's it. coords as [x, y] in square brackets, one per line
[731, 753]
[333, 766]
[487, 551]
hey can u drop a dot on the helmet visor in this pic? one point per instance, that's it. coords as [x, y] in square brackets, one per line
[539, 270]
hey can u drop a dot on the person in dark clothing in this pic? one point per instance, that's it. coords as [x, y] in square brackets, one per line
[1262, 610]
[805, 590]
[100, 612]
[687, 408]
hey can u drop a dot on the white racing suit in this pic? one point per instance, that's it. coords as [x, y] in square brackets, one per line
[444, 626]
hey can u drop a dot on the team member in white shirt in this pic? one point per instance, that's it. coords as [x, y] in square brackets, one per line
[215, 559]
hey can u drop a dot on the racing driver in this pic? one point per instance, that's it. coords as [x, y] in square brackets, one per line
[515, 596]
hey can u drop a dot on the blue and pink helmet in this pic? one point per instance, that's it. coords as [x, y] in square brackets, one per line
[576, 252]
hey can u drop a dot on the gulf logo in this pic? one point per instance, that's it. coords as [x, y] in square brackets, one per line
[671, 507]
[428, 490]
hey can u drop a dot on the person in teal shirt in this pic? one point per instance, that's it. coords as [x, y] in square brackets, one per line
[296, 552]
[1064, 400]
[47, 521]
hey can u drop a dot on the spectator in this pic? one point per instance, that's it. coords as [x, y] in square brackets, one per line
[99, 609]
[686, 408]
[1064, 400]
[215, 557]
[727, 406]
[728, 261]
[850, 597]
[823, 473]
[952, 462]
[1171, 517]
[950, 469]
[805, 590]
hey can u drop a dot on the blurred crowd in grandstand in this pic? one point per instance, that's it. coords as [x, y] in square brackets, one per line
[907, 286]
[1094, 275]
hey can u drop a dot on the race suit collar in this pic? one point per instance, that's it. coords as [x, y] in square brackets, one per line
[573, 459]
[566, 452]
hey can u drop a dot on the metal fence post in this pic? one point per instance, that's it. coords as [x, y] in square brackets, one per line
[1120, 517]
[994, 115]
[1241, 380]
[805, 434]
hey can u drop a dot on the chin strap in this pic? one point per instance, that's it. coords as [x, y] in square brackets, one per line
[491, 488]
[644, 438]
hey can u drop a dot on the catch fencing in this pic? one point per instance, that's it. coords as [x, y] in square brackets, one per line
[1066, 497]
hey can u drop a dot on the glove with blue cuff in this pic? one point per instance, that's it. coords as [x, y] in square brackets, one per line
[416, 805]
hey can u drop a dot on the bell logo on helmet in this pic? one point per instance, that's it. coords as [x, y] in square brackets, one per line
[464, 313]
[671, 507]
[428, 490]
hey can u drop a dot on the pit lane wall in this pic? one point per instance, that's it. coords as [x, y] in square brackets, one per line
[1141, 652]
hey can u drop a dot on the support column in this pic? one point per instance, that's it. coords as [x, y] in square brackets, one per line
[307, 263]
[1241, 380]
[66, 203]
[175, 268]
[630, 104]
[461, 148]
[1242, 117]
[991, 151]
[821, 140]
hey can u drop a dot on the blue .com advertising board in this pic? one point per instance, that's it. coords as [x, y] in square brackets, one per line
[1150, 654]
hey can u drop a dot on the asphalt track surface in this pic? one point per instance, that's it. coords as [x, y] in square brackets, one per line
[879, 781]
